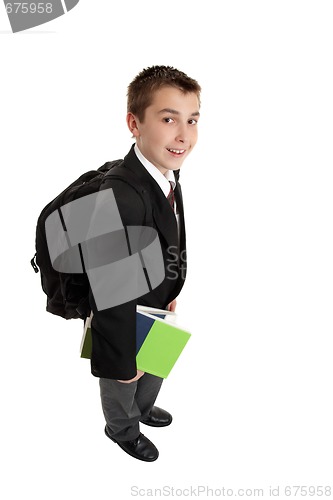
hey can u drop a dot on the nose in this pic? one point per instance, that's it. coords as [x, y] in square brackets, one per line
[182, 134]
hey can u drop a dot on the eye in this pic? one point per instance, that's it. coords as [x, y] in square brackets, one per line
[193, 121]
[168, 120]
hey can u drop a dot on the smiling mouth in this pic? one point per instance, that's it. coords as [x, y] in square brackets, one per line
[177, 152]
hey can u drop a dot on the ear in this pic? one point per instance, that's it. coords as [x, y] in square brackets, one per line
[132, 123]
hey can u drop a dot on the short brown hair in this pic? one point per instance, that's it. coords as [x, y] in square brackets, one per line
[141, 90]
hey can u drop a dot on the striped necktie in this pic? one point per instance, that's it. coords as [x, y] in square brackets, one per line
[171, 197]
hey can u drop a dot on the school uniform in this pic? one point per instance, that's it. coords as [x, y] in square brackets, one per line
[114, 329]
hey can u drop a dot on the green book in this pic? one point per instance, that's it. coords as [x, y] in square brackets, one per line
[159, 342]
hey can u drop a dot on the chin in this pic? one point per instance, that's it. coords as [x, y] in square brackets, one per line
[174, 167]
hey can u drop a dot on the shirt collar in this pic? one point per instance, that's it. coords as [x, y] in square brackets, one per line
[162, 180]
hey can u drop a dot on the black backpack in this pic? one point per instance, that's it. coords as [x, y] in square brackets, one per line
[67, 294]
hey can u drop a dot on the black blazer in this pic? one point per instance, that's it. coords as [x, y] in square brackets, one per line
[114, 329]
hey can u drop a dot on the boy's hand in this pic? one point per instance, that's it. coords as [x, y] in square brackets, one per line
[139, 374]
[172, 306]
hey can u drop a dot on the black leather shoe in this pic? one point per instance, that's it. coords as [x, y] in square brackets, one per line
[157, 418]
[140, 448]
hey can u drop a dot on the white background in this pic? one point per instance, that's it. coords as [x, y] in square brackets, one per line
[252, 394]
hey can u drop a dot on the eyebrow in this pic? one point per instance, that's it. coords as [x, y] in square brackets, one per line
[175, 112]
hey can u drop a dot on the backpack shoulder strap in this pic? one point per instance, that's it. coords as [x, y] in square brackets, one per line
[124, 174]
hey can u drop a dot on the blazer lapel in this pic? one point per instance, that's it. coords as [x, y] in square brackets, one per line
[163, 216]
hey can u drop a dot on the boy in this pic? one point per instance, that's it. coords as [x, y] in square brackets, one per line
[162, 115]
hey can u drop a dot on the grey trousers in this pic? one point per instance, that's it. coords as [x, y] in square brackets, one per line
[125, 404]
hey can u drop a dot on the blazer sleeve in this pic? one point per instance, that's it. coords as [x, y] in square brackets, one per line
[114, 329]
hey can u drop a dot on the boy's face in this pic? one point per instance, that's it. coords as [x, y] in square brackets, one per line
[169, 131]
